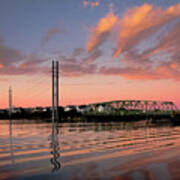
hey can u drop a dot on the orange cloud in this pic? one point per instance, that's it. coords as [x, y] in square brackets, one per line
[1, 66]
[101, 31]
[138, 20]
[91, 4]
[174, 10]
[23, 65]
[174, 66]
[95, 4]
[137, 24]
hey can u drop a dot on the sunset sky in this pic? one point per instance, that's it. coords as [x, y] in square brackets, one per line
[107, 49]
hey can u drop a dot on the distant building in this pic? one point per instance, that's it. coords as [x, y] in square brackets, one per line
[70, 108]
[104, 108]
[81, 108]
[16, 110]
[100, 108]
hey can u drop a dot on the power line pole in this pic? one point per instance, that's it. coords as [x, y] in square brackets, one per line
[10, 101]
[55, 115]
[53, 109]
[55, 91]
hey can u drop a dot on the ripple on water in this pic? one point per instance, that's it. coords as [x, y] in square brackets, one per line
[40, 149]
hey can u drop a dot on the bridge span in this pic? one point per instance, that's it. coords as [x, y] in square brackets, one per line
[132, 107]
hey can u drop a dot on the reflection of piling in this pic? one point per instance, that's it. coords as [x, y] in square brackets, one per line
[55, 149]
[11, 141]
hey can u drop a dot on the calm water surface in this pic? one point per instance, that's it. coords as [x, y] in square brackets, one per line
[39, 150]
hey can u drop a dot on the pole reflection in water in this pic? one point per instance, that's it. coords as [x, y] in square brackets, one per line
[55, 148]
[11, 141]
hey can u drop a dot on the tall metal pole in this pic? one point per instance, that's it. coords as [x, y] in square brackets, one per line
[10, 101]
[57, 90]
[53, 110]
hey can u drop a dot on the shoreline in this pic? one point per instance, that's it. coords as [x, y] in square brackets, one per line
[101, 119]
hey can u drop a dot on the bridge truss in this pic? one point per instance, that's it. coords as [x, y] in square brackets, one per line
[132, 107]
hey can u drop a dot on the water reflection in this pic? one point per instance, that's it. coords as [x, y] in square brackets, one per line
[116, 150]
[55, 148]
[11, 141]
[108, 126]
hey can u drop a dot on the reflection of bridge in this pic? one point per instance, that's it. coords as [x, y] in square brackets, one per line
[132, 107]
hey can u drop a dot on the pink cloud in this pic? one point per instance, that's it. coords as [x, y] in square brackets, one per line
[164, 71]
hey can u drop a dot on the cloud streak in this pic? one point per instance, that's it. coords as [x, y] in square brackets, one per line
[156, 59]
[101, 32]
[8, 55]
[27, 66]
[140, 22]
[151, 65]
[80, 65]
[51, 33]
[13, 62]
[138, 25]
[167, 71]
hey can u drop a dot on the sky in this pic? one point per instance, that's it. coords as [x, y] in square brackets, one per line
[107, 50]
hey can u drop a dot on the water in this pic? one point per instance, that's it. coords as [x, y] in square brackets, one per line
[39, 150]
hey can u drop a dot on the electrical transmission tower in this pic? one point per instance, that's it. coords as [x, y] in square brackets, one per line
[55, 90]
